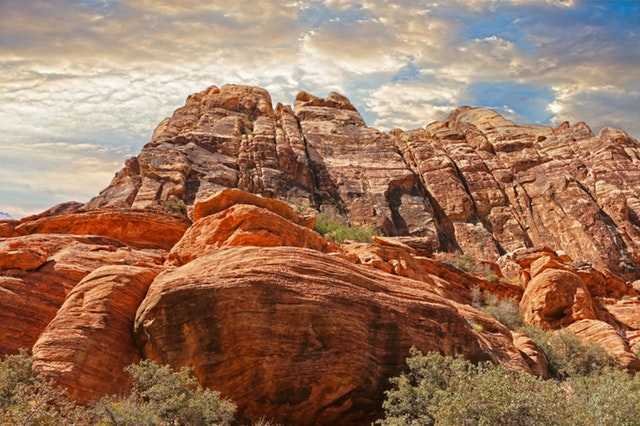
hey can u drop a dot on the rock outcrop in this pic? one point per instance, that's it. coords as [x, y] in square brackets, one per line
[37, 272]
[313, 337]
[202, 253]
[475, 182]
[86, 347]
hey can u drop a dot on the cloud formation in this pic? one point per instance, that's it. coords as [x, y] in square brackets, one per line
[83, 82]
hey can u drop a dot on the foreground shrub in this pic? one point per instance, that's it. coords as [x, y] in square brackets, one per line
[162, 396]
[26, 399]
[336, 230]
[159, 396]
[452, 391]
[567, 355]
[611, 397]
[443, 390]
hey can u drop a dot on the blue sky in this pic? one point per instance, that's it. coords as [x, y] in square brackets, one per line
[83, 83]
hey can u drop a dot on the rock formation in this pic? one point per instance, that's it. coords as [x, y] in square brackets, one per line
[475, 182]
[202, 253]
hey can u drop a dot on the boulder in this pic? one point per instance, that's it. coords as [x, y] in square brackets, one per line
[86, 347]
[244, 225]
[607, 337]
[135, 228]
[300, 336]
[555, 298]
[38, 271]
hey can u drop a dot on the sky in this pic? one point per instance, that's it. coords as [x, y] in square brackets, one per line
[83, 83]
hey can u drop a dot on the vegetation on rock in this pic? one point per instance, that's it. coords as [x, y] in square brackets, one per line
[338, 231]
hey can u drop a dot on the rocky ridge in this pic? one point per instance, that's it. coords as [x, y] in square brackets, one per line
[475, 182]
[202, 253]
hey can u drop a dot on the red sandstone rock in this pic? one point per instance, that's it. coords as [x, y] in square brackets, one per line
[244, 225]
[556, 298]
[393, 256]
[135, 228]
[312, 336]
[7, 228]
[86, 347]
[533, 355]
[230, 197]
[475, 181]
[38, 271]
[603, 334]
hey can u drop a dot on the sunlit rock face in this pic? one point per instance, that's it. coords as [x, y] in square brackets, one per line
[203, 253]
[476, 181]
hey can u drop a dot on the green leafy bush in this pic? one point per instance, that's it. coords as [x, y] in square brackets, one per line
[568, 356]
[611, 397]
[451, 391]
[441, 390]
[159, 396]
[336, 230]
[26, 399]
[162, 396]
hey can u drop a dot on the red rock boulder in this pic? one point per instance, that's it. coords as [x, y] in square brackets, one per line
[244, 225]
[303, 337]
[555, 298]
[38, 271]
[136, 228]
[86, 347]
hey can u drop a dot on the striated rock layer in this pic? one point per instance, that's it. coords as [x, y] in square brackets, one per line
[475, 182]
[303, 337]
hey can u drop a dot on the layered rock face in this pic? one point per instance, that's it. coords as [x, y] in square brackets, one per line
[475, 182]
[311, 337]
[202, 253]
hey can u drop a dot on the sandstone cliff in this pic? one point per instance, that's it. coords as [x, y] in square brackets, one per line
[202, 253]
[475, 182]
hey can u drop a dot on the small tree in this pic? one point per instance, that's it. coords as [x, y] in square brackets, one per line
[338, 231]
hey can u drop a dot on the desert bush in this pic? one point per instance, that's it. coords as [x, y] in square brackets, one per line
[451, 391]
[467, 263]
[443, 390]
[505, 311]
[611, 397]
[175, 206]
[568, 356]
[26, 399]
[159, 396]
[162, 396]
[338, 231]
[463, 262]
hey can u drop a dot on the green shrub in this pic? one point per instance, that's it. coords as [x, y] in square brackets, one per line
[26, 399]
[463, 262]
[440, 390]
[468, 264]
[451, 391]
[159, 396]
[336, 230]
[506, 311]
[162, 396]
[568, 356]
[175, 206]
[609, 398]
